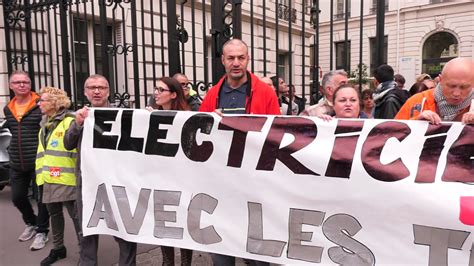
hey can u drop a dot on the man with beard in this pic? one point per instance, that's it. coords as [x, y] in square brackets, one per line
[96, 89]
[239, 92]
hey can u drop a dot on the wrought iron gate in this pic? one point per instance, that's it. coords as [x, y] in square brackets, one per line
[134, 42]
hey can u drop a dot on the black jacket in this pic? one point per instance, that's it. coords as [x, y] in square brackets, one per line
[390, 101]
[301, 102]
[194, 103]
[24, 142]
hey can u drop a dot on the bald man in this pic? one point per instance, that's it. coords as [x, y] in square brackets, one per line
[239, 91]
[450, 101]
[191, 96]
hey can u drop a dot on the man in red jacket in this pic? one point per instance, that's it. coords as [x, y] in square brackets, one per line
[239, 91]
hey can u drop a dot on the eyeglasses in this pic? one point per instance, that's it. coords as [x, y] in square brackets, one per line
[20, 82]
[100, 88]
[160, 89]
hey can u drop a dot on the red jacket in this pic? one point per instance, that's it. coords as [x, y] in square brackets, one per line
[262, 99]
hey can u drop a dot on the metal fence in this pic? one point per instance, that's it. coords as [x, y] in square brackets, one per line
[133, 43]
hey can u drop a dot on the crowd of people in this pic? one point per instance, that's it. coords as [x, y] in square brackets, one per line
[46, 136]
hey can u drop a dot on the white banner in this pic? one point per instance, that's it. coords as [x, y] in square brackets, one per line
[287, 190]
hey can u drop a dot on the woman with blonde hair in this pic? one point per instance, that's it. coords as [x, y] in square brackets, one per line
[55, 167]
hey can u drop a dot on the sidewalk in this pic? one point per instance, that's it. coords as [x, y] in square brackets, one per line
[15, 253]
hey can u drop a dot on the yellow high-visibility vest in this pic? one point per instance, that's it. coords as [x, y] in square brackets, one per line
[55, 164]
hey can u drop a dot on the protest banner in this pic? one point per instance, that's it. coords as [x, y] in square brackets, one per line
[287, 190]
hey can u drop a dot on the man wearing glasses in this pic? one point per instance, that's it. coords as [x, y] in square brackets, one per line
[23, 118]
[191, 96]
[96, 89]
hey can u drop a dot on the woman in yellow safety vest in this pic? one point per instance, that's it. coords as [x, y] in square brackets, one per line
[55, 167]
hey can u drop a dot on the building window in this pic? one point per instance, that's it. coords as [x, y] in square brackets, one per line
[283, 64]
[438, 49]
[88, 54]
[340, 55]
[285, 12]
[341, 9]
[373, 9]
[373, 53]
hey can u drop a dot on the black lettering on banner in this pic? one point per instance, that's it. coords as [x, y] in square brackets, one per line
[195, 152]
[102, 210]
[439, 241]
[241, 125]
[304, 130]
[127, 142]
[295, 249]
[255, 242]
[372, 149]
[160, 199]
[460, 162]
[340, 164]
[102, 124]
[208, 235]
[153, 146]
[431, 152]
[339, 229]
[132, 223]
